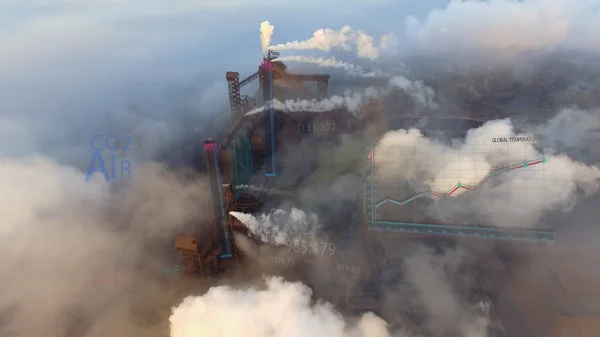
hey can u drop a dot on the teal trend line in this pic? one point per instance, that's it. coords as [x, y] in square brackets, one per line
[523, 234]
[459, 185]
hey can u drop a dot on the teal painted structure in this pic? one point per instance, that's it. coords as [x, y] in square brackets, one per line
[241, 160]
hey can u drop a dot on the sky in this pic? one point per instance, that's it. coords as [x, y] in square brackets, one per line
[68, 66]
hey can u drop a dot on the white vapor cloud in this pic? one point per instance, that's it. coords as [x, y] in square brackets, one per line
[266, 31]
[282, 309]
[279, 225]
[354, 101]
[346, 38]
[330, 62]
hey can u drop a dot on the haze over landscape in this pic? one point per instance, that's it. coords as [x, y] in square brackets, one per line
[73, 69]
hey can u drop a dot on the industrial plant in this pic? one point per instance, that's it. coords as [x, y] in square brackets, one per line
[424, 168]
[255, 153]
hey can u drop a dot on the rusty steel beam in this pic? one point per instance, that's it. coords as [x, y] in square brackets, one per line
[235, 103]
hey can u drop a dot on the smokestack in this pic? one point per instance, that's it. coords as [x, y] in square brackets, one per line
[269, 116]
[212, 164]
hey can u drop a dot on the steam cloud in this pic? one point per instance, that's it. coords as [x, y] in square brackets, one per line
[345, 38]
[280, 309]
[330, 62]
[277, 226]
[266, 31]
[352, 101]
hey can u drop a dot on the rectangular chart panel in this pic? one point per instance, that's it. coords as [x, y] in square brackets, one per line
[463, 191]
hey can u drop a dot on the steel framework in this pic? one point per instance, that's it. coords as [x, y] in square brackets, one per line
[241, 104]
[194, 259]
[235, 102]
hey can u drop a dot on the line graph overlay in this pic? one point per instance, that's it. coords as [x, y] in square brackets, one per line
[436, 191]
[454, 188]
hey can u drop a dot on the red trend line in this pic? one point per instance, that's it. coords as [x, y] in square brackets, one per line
[457, 186]
[453, 190]
[483, 181]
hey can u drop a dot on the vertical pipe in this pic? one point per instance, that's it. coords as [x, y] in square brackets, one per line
[272, 121]
[210, 150]
[269, 118]
[223, 223]
[212, 162]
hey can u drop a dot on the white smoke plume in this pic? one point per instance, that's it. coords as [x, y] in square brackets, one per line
[518, 199]
[353, 101]
[279, 225]
[345, 38]
[501, 27]
[282, 309]
[275, 191]
[331, 62]
[266, 31]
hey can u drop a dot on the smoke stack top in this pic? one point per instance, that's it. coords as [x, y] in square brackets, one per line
[266, 31]
[209, 144]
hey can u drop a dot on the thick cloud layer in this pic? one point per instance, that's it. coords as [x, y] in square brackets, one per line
[504, 27]
[63, 233]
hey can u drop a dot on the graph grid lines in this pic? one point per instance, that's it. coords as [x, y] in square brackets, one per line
[433, 194]
[487, 232]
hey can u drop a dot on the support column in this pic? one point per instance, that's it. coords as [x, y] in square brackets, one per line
[212, 163]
